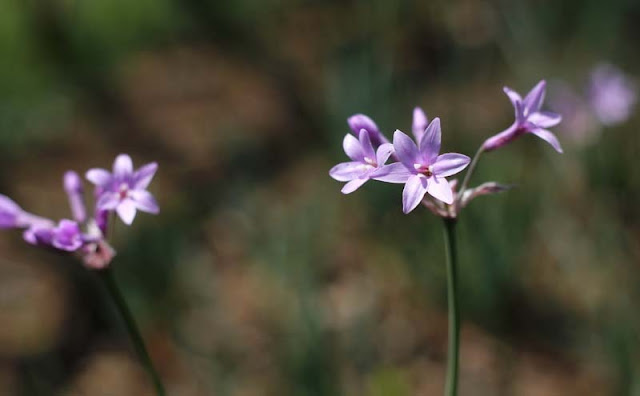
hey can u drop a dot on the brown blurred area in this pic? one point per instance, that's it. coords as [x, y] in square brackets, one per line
[258, 277]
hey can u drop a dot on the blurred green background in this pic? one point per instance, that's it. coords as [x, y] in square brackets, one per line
[259, 277]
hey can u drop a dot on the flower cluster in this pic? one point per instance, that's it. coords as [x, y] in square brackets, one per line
[418, 162]
[123, 191]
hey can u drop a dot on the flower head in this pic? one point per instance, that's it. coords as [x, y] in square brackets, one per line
[364, 161]
[421, 168]
[529, 119]
[124, 190]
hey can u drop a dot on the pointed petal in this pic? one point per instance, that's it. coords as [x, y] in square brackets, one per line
[430, 143]
[513, 95]
[127, 211]
[548, 137]
[145, 201]
[384, 152]
[9, 212]
[353, 185]
[406, 149]
[108, 201]
[413, 192]
[535, 97]
[353, 148]
[365, 144]
[144, 175]
[545, 119]
[440, 189]
[99, 177]
[122, 166]
[360, 121]
[392, 173]
[450, 164]
[347, 171]
[420, 123]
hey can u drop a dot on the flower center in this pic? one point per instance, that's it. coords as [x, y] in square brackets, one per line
[124, 190]
[370, 161]
[424, 169]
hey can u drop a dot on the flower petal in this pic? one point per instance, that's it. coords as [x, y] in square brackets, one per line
[450, 164]
[9, 212]
[420, 123]
[413, 192]
[545, 119]
[384, 152]
[145, 201]
[392, 173]
[439, 188]
[99, 177]
[144, 175]
[353, 148]
[122, 166]
[108, 201]
[127, 211]
[347, 171]
[513, 95]
[548, 137]
[535, 97]
[406, 150]
[360, 121]
[365, 144]
[430, 143]
[353, 185]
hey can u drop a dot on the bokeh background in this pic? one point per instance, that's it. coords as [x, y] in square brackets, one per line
[259, 277]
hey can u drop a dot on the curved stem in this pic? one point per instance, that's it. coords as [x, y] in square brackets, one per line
[454, 316]
[467, 175]
[107, 278]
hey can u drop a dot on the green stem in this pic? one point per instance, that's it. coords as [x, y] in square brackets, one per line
[107, 278]
[454, 316]
[467, 175]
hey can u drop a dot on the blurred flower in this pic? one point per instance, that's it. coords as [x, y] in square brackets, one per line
[365, 160]
[421, 169]
[611, 94]
[124, 190]
[578, 121]
[358, 122]
[529, 119]
[9, 212]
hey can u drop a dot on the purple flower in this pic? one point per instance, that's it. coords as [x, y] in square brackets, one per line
[358, 122]
[611, 94]
[529, 119]
[421, 169]
[365, 160]
[125, 190]
[66, 235]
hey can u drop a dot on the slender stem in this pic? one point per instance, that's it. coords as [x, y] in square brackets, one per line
[107, 277]
[467, 175]
[454, 316]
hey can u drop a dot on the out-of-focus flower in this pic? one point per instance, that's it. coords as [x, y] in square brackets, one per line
[358, 122]
[528, 119]
[421, 169]
[125, 190]
[611, 94]
[10, 213]
[365, 160]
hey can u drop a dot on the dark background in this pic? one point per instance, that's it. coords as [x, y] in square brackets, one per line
[259, 277]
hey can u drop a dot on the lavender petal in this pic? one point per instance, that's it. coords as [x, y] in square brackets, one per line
[406, 150]
[439, 188]
[353, 148]
[413, 192]
[392, 173]
[347, 171]
[353, 185]
[144, 175]
[127, 211]
[99, 177]
[145, 201]
[535, 97]
[419, 124]
[430, 143]
[548, 137]
[122, 167]
[450, 164]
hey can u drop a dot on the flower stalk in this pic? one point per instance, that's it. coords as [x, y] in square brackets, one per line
[451, 388]
[107, 278]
